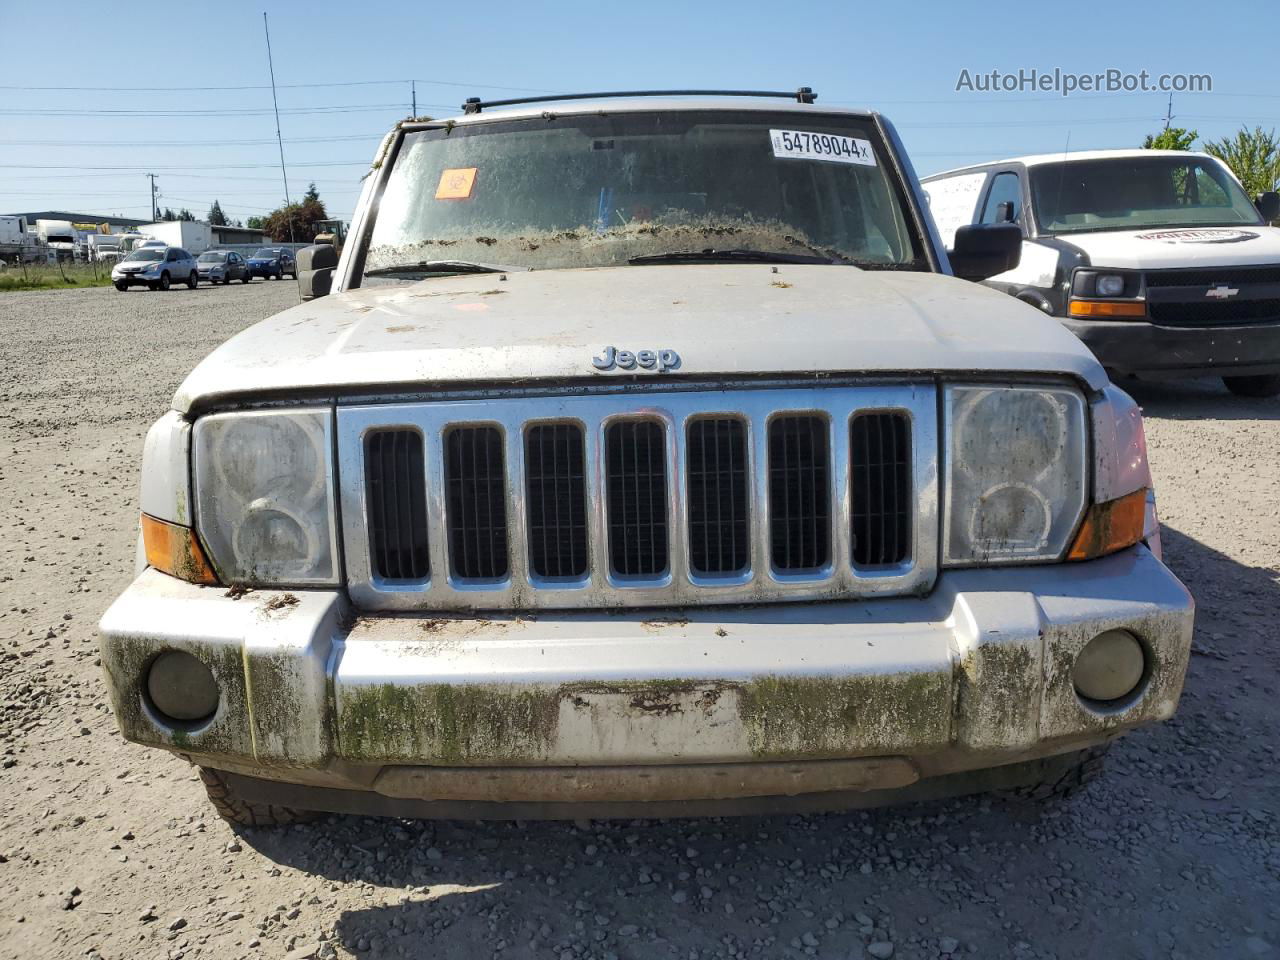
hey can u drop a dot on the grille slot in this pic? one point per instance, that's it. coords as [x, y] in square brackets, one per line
[395, 479]
[799, 493]
[1216, 314]
[880, 472]
[557, 507]
[636, 471]
[1207, 278]
[475, 488]
[719, 535]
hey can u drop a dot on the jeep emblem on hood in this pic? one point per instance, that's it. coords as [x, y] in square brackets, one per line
[613, 359]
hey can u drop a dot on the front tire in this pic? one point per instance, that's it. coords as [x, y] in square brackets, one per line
[244, 278]
[244, 813]
[193, 281]
[164, 282]
[1263, 386]
[122, 287]
[1073, 774]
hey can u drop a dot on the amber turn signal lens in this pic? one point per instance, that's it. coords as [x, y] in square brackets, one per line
[1104, 310]
[1110, 526]
[174, 550]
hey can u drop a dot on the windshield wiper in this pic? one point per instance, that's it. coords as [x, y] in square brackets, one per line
[443, 266]
[728, 256]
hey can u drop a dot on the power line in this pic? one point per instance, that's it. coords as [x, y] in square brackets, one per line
[204, 166]
[283, 86]
[188, 143]
[196, 114]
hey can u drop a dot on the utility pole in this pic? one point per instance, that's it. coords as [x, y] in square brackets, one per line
[155, 214]
[413, 88]
[1168, 114]
[279, 139]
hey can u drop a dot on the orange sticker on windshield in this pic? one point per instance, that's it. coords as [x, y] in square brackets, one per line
[456, 184]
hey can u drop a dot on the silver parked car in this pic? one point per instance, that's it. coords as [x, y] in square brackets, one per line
[156, 268]
[222, 266]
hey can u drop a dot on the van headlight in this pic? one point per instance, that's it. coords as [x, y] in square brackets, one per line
[1015, 473]
[264, 496]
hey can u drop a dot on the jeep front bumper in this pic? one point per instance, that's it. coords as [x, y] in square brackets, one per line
[690, 706]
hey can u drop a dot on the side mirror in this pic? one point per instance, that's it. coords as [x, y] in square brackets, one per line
[315, 266]
[984, 249]
[1268, 205]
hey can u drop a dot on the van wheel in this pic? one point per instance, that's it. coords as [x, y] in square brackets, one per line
[235, 809]
[1266, 385]
[164, 281]
[1071, 774]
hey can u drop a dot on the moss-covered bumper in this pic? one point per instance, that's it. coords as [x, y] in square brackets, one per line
[976, 674]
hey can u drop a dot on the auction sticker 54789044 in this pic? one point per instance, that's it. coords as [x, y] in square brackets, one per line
[803, 145]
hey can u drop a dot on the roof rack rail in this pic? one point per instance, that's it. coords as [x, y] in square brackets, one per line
[802, 95]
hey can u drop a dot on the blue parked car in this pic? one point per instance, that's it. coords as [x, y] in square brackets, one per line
[273, 263]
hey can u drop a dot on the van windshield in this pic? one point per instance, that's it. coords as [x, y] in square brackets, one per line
[609, 189]
[1134, 193]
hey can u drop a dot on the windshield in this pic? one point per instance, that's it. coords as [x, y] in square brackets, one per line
[212, 257]
[266, 253]
[1132, 193]
[148, 253]
[602, 190]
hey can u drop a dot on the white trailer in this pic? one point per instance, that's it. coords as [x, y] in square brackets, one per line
[59, 237]
[16, 244]
[103, 247]
[194, 236]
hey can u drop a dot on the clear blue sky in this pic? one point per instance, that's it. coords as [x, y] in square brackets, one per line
[899, 58]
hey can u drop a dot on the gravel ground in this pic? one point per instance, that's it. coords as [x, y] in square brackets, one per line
[108, 849]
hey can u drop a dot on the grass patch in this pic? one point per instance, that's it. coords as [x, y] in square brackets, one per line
[49, 276]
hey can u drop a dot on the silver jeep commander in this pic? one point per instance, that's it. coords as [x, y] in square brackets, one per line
[644, 456]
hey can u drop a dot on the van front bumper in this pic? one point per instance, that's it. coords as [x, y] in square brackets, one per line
[327, 709]
[1148, 350]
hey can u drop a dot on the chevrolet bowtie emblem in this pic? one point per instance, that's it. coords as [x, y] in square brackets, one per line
[1222, 291]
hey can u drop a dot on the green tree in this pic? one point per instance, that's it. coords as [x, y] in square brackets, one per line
[1171, 138]
[216, 216]
[255, 223]
[168, 215]
[296, 221]
[185, 214]
[1253, 156]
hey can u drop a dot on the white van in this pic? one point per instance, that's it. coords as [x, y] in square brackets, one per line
[1156, 259]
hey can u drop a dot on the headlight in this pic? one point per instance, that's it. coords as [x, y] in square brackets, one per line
[1015, 473]
[264, 496]
[1110, 285]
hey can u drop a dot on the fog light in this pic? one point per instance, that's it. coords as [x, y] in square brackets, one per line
[181, 687]
[1110, 666]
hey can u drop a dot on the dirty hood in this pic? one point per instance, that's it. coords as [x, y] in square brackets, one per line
[722, 320]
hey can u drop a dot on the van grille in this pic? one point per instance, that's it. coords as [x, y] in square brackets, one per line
[654, 499]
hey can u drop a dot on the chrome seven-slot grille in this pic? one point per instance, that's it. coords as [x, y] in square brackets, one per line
[696, 496]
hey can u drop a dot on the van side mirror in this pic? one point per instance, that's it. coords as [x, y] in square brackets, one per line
[315, 266]
[1268, 205]
[982, 250]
